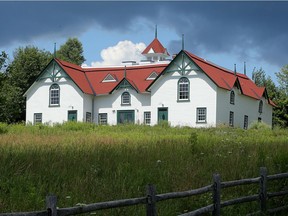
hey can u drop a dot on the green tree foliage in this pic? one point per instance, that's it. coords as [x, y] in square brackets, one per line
[282, 78]
[71, 51]
[21, 73]
[278, 94]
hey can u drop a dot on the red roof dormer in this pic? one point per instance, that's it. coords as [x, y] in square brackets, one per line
[156, 47]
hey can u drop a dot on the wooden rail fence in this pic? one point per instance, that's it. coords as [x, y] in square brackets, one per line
[152, 198]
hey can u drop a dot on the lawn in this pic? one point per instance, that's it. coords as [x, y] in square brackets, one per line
[85, 163]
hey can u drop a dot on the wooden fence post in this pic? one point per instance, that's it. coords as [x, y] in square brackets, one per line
[51, 205]
[151, 200]
[216, 194]
[263, 189]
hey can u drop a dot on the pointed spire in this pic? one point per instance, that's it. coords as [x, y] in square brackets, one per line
[155, 31]
[182, 41]
[235, 69]
[244, 67]
[125, 72]
[54, 50]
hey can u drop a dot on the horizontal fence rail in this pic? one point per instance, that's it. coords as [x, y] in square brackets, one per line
[152, 198]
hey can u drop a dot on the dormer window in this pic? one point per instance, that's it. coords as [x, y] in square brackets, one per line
[109, 78]
[232, 97]
[152, 76]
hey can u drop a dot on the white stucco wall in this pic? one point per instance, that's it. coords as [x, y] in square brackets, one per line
[111, 103]
[164, 93]
[37, 101]
[244, 105]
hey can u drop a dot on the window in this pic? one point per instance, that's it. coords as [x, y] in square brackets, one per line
[109, 78]
[147, 118]
[183, 89]
[232, 97]
[231, 119]
[37, 118]
[152, 76]
[54, 95]
[126, 98]
[201, 115]
[102, 119]
[88, 117]
[260, 106]
[245, 122]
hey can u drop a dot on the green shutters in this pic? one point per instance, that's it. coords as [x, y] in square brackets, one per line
[162, 114]
[125, 116]
[72, 115]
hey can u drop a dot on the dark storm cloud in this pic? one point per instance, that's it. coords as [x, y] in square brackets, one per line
[214, 27]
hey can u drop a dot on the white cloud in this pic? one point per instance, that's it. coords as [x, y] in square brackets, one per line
[123, 51]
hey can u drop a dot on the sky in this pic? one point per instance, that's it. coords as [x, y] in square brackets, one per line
[224, 32]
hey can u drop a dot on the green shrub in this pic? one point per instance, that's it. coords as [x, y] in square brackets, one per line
[3, 128]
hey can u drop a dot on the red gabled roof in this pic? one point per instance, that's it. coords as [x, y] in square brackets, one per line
[89, 80]
[156, 46]
[226, 79]
[135, 75]
[77, 74]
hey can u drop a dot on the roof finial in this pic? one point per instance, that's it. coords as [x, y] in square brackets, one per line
[182, 41]
[156, 31]
[125, 72]
[54, 50]
[244, 67]
[235, 69]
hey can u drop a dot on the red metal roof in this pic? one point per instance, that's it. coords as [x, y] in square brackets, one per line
[226, 79]
[88, 78]
[156, 46]
[77, 74]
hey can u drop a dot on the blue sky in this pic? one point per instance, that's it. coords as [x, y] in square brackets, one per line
[225, 33]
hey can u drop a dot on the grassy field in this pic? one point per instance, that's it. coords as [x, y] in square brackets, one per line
[85, 163]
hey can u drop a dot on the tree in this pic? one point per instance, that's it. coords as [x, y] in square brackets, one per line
[20, 74]
[71, 51]
[276, 94]
[282, 104]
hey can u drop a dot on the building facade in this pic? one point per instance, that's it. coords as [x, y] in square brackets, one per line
[185, 91]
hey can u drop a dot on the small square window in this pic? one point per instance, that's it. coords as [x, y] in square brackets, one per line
[37, 118]
[231, 119]
[201, 115]
[147, 118]
[102, 119]
[245, 122]
[88, 117]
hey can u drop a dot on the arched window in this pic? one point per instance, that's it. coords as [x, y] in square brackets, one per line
[260, 106]
[54, 96]
[126, 98]
[183, 89]
[232, 97]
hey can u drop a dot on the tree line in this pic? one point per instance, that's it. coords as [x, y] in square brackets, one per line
[28, 62]
[18, 75]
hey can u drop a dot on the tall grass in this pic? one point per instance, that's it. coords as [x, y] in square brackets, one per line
[84, 163]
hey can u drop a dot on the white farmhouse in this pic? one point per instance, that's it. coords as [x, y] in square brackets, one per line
[185, 91]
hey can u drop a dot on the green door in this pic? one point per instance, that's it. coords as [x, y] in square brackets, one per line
[162, 114]
[72, 115]
[125, 116]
